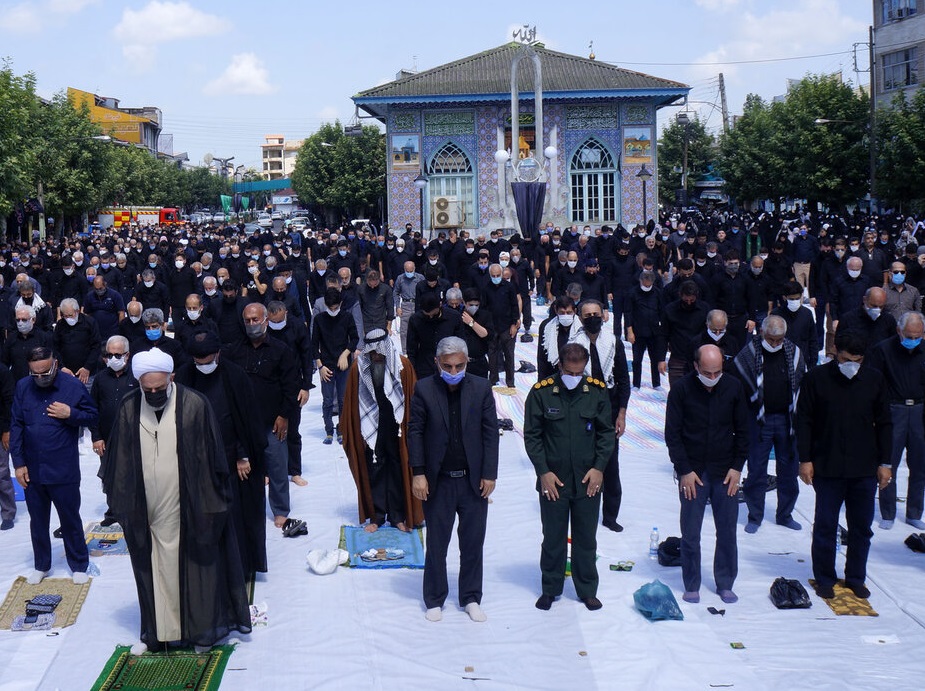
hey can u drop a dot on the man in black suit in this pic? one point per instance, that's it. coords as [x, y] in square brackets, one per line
[454, 473]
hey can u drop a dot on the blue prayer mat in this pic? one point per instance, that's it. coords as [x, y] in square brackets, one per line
[387, 548]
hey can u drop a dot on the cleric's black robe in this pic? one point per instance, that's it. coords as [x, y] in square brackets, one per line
[246, 441]
[212, 592]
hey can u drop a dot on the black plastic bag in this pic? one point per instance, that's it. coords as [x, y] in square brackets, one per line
[789, 593]
[669, 552]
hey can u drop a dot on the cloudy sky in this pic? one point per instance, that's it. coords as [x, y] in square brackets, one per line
[226, 73]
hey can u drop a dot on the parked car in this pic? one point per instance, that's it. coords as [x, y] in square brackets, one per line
[265, 221]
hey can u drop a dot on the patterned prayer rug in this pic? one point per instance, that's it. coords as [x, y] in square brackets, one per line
[846, 603]
[104, 541]
[387, 548]
[170, 671]
[72, 599]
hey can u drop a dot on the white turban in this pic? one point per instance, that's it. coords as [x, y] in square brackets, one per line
[154, 360]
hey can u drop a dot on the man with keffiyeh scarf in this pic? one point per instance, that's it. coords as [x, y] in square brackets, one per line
[771, 369]
[374, 423]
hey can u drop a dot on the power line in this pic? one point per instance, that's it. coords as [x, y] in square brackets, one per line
[728, 62]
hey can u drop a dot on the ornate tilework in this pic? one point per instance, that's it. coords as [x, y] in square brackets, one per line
[637, 113]
[593, 117]
[449, 124]
[405, 122]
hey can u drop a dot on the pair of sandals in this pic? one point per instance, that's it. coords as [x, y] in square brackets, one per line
[293, 527]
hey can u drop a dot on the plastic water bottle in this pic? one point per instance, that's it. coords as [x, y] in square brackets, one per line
[653, 543]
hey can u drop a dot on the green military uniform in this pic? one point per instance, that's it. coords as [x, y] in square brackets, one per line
[568, 433]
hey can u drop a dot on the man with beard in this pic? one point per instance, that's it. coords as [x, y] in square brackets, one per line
[375, 426]
[166, 479]
[229, 391]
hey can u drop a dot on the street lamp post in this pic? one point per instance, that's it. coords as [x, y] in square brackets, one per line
[421, 183]
[685, 121]
[645, 175]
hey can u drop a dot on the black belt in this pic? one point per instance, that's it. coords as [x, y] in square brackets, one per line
[909, 401]
[454, 473]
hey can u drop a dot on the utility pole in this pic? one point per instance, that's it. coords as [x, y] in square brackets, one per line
[873, 120]
[722, 98]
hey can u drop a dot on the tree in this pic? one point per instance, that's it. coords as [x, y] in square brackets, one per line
[700, 155]
[18, 106]
[340, 173]
[901, 152]
[744, 161]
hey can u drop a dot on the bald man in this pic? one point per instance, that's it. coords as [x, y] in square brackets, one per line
[706, 432]
[872, 321]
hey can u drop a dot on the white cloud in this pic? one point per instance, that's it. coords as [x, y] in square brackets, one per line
[139, 31]
[245, 76]
[717, 5]
[34, 16]
[328, 113]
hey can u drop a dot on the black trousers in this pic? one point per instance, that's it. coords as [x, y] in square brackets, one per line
[66, 500]
[857, 494]
[640, 346]
[449, 498]
[501, 345]
[294, 442]
[385, 482]
[526, 312]
[612, 489]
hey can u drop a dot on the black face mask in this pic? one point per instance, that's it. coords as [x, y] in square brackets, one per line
[46, 380]
[593, 324]
[156, 399]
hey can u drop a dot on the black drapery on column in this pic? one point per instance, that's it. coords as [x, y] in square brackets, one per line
[529, 199]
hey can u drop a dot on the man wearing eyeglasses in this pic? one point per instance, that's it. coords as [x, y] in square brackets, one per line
[900, 297]
[109, 387]
[49, 408]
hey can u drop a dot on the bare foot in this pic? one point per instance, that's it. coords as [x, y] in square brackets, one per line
[299, 480]
[370, 527]
[402, 527]
[279, 521]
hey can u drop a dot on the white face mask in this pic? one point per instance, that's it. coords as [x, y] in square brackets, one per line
[707, 382]
[874, 312]
[794, 305]
[711, 254]
[134, 319]
[71, 321]
[854, 273]
[716, 336]
[211, 292]
[277, 326]
[321, 272]
[771, 349]
[849, 369]
[570, 381]
[69, 272]
[701, 262]
[193, 314]
[208, 368]
[149, 284]
[645, 288]
[572, 264]
[764, 257]
[566, 319]
[116, 364]
[179, 264]
[333, 313]
[503, 262]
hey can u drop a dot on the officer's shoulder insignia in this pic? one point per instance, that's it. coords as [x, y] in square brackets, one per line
[538, 385]
[548, 381]
[590, 380]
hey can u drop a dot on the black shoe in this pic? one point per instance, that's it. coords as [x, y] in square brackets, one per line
[826, 592]
[592, 603]
[545, 601]
[613, 525]
[859, 589]
[108, 521]
[57, 532]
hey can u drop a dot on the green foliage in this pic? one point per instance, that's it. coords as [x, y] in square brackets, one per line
[901, 152]
[18, 108]
[340, 172]
[700, 155]
[778, 151]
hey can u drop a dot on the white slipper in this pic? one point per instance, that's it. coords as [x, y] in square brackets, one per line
[475, 612]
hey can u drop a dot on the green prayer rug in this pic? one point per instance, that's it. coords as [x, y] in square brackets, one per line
[178, 670]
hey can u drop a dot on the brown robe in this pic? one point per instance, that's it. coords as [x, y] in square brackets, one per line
[355, 446]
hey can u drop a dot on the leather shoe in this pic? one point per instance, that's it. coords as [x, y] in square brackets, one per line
[592, 603]
[108, 521]
[859, 589]
[545, 601]
[57, 532]
[6, 524]
[613, 525]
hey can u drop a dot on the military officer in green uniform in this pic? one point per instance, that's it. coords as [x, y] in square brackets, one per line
[569, 437]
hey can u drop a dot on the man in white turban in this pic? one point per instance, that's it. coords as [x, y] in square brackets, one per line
[167, 482]
[374, 422]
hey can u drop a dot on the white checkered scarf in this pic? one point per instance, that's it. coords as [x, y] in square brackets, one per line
[369, 409]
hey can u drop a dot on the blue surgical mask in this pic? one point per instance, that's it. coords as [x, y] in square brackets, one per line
[452, 379]
[381, 243]
[342, 253]
[911, 343]
[153, 334]
[496, 280]
[409, 274]
[899, 279]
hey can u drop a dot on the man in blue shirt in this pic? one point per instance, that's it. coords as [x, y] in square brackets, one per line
[49, 408]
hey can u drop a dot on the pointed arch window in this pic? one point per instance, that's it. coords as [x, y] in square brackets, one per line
[593, 177]
[450, 174]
